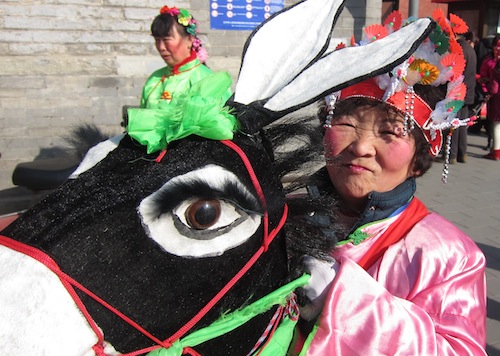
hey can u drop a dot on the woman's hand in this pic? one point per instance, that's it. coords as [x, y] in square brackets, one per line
[322, 274]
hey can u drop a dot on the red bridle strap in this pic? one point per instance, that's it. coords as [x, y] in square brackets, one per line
[268, 237]
[52, 265]
[260, 193]
[69, 282]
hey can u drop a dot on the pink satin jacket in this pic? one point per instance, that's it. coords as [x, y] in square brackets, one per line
[425, 296]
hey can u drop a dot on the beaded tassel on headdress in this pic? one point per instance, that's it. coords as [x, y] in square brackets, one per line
[409, 106]
[446, 155]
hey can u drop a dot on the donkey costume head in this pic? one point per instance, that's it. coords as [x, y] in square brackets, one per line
[180, 251]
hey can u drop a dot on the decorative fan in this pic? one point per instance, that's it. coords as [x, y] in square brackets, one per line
[455, 47]
[340, 46]
[442, 21]
[458, 93]
[454, 106]
[375, 32]
[455, 62]
[428, 72]
[440, 40]
[393, 21]
[458, 25]
[353, 41]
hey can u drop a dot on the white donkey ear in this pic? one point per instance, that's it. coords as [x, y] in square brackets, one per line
[282, 46]
[350, 65]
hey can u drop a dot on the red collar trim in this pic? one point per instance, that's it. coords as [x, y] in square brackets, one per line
[192, 57]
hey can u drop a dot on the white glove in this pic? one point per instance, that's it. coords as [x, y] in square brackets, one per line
[322, 274]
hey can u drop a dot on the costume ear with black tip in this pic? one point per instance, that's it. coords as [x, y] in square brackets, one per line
[283, 45]
[348, 66]
[284, 65]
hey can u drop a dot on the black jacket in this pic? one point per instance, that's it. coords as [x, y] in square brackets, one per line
[470, 70]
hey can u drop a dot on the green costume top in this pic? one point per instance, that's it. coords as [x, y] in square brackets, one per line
[168, 81]
[180, 101]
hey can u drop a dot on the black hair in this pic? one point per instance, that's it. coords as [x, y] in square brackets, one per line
[162, 26]
[470, 36]
[422, 160]
[431, 94]
[495, 40]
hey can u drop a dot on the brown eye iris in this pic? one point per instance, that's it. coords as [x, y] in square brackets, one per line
[203, 213]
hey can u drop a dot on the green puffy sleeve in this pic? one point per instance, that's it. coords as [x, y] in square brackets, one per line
[199, 110]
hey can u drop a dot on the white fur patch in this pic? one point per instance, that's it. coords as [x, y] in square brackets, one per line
[37, 315]
[283, 46]
[96, 154]
[161, 228]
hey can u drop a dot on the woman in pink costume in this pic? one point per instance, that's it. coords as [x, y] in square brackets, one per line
[490, 78]
[405, 281]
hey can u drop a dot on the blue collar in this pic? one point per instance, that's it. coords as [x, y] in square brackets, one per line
[378, 206]
[382, 205]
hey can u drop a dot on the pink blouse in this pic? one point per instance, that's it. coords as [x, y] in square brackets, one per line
[425, 296]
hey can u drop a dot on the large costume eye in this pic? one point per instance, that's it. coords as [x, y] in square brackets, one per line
[204, 219]
[201, 213]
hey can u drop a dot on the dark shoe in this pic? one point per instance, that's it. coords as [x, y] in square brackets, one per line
[453, 160]
[462, 159]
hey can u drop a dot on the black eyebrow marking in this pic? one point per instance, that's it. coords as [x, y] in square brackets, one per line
[171, 195]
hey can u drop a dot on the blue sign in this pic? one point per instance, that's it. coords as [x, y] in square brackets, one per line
[241, 14]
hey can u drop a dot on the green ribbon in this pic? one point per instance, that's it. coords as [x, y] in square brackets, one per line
[280, 341]
[199, 111]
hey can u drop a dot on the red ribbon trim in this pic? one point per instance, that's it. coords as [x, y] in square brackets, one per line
[414, 212]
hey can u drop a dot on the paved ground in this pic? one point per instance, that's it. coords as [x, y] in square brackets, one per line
[470, 199]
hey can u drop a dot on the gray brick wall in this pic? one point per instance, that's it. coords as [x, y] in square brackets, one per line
[64, 62]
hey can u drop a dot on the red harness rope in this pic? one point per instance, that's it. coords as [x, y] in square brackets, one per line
[268, 237]
[69, 282]
[66, 280]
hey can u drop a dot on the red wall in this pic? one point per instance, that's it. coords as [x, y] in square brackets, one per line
[426, 7]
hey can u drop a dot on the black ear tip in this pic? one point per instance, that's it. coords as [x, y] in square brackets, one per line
[252, 117]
